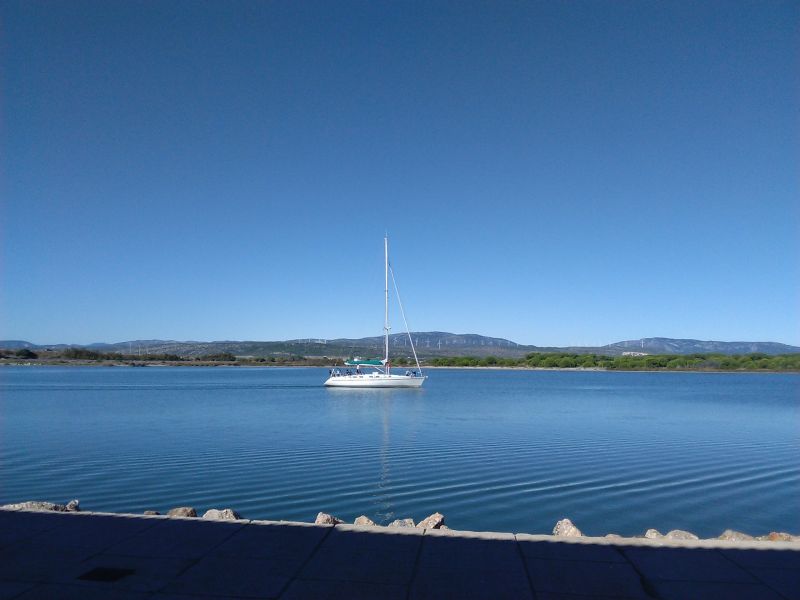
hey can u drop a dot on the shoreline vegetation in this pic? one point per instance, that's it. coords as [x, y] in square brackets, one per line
[650, 362]
[753, 362]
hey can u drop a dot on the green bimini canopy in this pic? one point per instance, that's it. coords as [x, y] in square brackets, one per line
[355, 362]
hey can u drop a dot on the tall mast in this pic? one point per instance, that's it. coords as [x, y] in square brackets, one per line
[386, 299]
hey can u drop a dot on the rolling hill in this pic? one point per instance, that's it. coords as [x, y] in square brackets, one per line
[428, 344]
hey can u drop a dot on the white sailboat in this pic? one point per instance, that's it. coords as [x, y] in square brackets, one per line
[377, 373]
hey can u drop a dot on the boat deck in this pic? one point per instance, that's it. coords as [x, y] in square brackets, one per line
[131, 557]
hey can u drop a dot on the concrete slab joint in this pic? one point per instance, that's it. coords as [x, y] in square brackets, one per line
[65, 554]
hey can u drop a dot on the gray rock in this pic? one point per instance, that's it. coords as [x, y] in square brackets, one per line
[565, 528]
[679, 534]
[226, 514]
[736, 536]
[778, 536]
[613, 536]
[444, 527]
[326, 519]
[362, 520]
[434, 521]
[152, 512]
[402, 523]
[71, 506]
[35, 505]
[653, 534]
[182, 511]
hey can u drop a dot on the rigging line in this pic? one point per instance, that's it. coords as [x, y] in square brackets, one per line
[402, 312]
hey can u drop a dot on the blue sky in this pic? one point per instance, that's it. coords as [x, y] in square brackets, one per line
[551, 172]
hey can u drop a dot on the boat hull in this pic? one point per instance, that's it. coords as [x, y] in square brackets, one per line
[375, 381]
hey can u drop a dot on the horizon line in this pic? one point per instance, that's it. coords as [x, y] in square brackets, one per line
[313, 339]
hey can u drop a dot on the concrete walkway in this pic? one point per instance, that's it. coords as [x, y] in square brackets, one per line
[108, 556]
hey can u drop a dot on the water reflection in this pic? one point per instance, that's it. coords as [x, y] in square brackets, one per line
[492, 450]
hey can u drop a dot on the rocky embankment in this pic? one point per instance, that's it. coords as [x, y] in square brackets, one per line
[71, 506]
[434, 521]
[563, 528]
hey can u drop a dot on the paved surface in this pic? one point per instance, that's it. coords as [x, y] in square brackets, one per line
[104, 556]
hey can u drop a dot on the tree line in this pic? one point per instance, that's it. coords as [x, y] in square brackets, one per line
[559, 360]
[655, 362]
[21, 353]
[85, 354]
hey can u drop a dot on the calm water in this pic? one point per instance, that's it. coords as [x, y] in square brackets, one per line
[492, 450]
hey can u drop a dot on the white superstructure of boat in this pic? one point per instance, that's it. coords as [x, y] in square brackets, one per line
[377, 373]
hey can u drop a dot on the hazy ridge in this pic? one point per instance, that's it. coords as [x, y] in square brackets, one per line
[428, 344]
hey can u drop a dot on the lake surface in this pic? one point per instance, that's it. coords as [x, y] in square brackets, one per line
[490, 449]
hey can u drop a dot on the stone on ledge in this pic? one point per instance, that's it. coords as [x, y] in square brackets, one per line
[362, 520]
[326, 519]
[679, 534]
[152, 512]
[227, 514]
[736, 536]
[434, 521]
[653, 534]
[778, 536]
[182, 511]
[402, 523]
[613, 536]
[565, 528]
[71, 506]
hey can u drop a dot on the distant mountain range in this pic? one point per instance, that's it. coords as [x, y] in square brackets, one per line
[673, 346]
[428, 344]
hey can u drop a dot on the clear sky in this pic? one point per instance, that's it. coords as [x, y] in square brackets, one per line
[550, 172]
